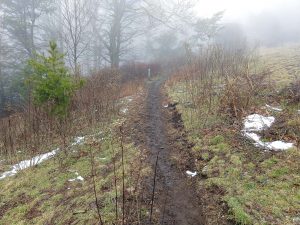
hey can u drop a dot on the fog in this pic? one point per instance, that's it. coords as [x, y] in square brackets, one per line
[266, 22]
[97, 34]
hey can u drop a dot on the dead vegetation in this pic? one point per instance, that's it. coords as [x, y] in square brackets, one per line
[33, 131]
[110, 167]
[292, 92]
[214, 93]
[223, 81]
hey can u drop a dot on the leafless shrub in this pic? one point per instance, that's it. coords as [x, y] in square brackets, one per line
[34, 130]
[292, 92]
[134, 71]
[98, 97]
[242, 83]
[220, 80]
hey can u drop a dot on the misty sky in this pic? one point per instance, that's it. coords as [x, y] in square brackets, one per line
[240, 9]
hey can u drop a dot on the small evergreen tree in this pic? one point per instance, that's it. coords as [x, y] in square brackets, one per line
[51, 83]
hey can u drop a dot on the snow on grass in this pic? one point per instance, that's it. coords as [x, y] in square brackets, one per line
[127, 99]
[253, 136]
[278, 145]
[78, 178]
[124, 103]
[256, 123]
[28, 163]
[37, 160]
[78, 140]
[276, 109]
[124, 110]
[275, 145]
[130, 99]
[191, 174]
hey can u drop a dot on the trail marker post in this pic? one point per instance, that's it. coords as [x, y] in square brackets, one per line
[149, 73]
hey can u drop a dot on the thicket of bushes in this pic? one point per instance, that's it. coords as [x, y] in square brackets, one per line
[57, 106]
[221, 80]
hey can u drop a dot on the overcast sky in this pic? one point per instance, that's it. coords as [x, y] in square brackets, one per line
[240, 9]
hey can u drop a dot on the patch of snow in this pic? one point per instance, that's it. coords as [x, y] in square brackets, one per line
[191, 174]
[78, 140]
[279, 145]
[258, 122]
[166, 106]
[276, 109]
[127, 99]
[79, 178]
[28, 163]
[253, 136]
[124, 110]
[275, 145]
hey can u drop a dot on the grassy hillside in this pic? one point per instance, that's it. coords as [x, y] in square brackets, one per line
[61, 190]
[284, 63]
[257, 186]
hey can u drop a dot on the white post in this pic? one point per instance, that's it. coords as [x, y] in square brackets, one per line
[149, 73]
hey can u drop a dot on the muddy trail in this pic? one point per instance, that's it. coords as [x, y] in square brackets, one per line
[158, 130]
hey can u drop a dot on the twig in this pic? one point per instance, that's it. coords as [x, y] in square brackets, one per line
[123, 175]
[153, 191]
[115, 183]
[94, 184]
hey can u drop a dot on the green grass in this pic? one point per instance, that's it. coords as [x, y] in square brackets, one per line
[205, 156]
[260, 188]
[217, 140]
[238, 213]
[43, 194]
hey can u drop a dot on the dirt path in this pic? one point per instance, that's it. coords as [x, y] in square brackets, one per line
[176, 202]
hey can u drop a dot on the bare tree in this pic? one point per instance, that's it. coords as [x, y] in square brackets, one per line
[126, 20]
[120, 27]
[206, 29]
[96, 45]
[77, 16]
[173, 14]
[5, 56]
[2, 91]
[21, 21]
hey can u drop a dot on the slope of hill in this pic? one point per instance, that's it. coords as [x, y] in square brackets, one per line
[283, 62]
[258, 184]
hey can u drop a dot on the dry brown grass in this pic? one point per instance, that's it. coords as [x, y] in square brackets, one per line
[34, 130]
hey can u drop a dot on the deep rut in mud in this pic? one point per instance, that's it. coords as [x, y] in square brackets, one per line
[176, 200]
